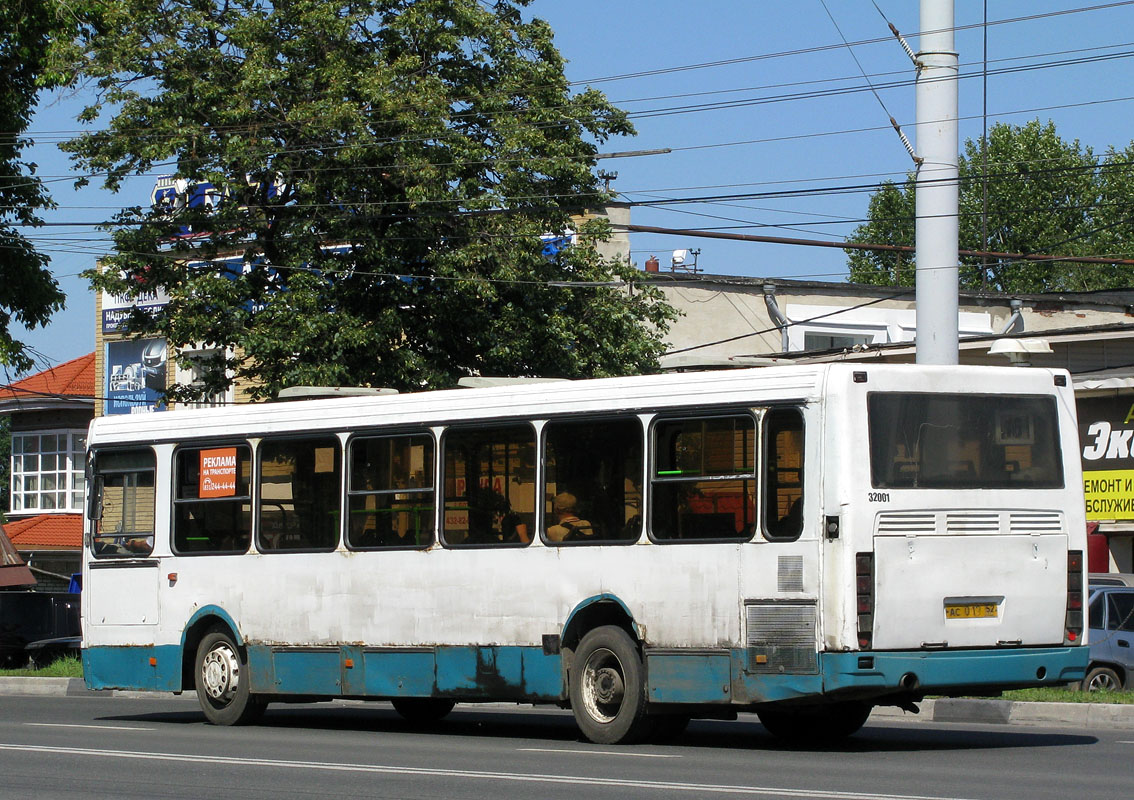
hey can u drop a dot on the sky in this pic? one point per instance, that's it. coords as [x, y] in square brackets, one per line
[753, 100]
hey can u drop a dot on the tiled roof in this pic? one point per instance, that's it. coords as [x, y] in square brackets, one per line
[74, 378]
[56, 531]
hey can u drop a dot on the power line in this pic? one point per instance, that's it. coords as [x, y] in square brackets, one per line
[767, 140]
[886, 248]
[828, 47]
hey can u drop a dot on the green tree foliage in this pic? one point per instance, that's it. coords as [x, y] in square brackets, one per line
[29, 293]
[1045, 196]
[433, 140]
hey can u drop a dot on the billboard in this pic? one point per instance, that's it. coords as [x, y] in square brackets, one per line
[135, 376]
[1106, 431]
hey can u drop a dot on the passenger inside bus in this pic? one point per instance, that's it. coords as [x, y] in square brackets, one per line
[568, 527]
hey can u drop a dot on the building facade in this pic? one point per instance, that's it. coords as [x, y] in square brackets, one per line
[49, 413]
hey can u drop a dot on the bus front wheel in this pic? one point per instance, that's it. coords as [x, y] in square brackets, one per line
[817, 724]
[608, 688]
[222, 682]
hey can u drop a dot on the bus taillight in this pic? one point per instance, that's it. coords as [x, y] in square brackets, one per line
[1074, 624]
[864, 590]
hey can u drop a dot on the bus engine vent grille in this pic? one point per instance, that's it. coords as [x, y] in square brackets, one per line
[789, 576]
[1036, 522]
[972, 522]
[903, 522]
[780, 637]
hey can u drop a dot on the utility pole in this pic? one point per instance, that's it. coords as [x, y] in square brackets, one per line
[936, 198]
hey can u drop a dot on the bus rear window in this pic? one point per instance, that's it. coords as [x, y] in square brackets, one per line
[950, 441]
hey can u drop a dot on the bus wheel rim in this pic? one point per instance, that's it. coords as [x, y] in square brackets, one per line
[220, 672]
[604, 685]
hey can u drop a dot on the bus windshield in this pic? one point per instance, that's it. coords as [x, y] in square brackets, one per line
[950, 441]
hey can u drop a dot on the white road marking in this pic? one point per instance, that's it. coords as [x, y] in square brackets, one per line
[513, 777]
[593, 752]
[96, 727]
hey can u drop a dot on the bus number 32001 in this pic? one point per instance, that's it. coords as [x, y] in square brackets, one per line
[878, 497]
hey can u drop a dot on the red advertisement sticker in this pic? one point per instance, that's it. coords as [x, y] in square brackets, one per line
[218, 473]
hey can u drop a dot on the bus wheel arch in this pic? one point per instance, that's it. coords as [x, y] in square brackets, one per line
[205, 621]
[594, 613]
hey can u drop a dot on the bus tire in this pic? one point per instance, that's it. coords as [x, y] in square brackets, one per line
[817, 724]
[1102, 679]
[608, 687]
[221, 676]
[423, 710]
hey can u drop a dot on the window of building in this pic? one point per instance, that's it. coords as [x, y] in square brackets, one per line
[829, 341]
[299, 494]
[122, 503]
[390, 496]
[48, 471]
[783, 473]
[593, 489]
[212, 504]
[704, 479]
[489, 476]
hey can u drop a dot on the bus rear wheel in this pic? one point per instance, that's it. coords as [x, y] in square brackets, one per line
[423, 710]
[817, 724]
[608, 688]
[222, 682]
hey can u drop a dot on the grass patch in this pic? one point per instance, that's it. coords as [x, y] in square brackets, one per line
[1068, 696]
[66, 667]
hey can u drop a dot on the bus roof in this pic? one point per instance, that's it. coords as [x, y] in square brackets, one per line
[753, 386]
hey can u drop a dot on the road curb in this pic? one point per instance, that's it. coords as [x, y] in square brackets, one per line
[993, 712]
[1012, 712]
[62, 687]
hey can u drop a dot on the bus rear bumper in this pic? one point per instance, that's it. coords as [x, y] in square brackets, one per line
[951, 671]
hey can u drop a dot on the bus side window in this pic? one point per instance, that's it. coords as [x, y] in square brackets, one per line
[212, 501]
[783, 474]
[299, 494]
[124, 523]
[704, 480]
[390, 496]
[489, 476]
[593, 490]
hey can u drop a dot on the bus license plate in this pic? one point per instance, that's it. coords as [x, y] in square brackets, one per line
[971, 610]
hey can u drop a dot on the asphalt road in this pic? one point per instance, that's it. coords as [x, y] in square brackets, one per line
[79, 747]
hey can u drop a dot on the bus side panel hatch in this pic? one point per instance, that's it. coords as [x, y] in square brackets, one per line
[689, 677]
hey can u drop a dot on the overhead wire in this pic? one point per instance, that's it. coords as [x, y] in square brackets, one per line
[828, 47]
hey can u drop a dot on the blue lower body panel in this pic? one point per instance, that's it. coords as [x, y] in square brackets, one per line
[148, 668]
[528, 674]
[464, 672]
[953, 670]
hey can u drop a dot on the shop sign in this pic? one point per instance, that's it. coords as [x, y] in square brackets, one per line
[1106, 436]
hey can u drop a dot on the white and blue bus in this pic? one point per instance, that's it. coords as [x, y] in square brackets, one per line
[800, 542]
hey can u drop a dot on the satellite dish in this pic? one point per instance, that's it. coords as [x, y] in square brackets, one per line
[679, 257]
